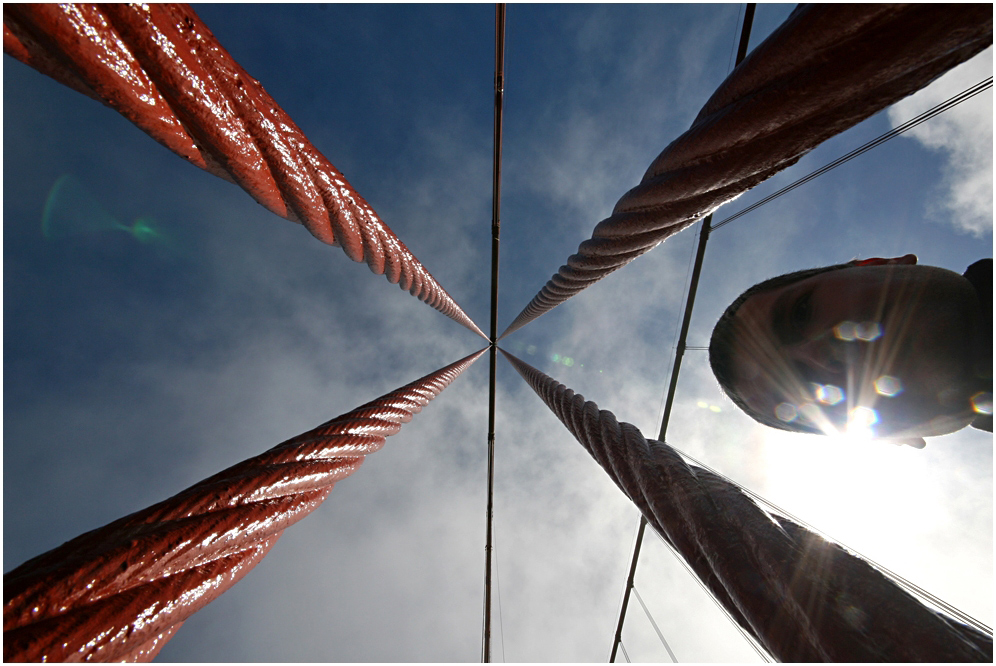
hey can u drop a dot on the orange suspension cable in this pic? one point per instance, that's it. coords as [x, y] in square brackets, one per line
[120, 591]
[827, 68]
[162, 69]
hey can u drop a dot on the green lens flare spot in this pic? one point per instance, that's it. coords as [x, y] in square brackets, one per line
[72, 211]
[143, 231]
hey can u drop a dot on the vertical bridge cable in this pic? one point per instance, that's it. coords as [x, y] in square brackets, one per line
[495, 239]
[161, 68]
[682, 338]
[825, 69]
[117, 593]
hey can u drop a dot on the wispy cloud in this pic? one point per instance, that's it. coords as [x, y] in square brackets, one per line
[965, 136]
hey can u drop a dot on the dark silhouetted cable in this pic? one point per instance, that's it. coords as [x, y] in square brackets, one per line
[495, 238]
[747, 637]
[909, 585]
[617, 641]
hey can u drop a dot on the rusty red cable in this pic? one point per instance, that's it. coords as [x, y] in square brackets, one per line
[804, 598]
[825, 69]
[120, 591]
[162, 69]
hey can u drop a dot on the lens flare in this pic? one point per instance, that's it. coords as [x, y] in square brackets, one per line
[845, 330]
[849, 331]
[867, 331]
[860, 420]
[982, 402]
[888, 386]
[829, 394]
[786, 412]
[71, 211]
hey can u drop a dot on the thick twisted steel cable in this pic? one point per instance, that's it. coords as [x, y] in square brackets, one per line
[118, 592]
[949, 103]
[161, 68]
[909, 585]
[802, 597]
[825, 69]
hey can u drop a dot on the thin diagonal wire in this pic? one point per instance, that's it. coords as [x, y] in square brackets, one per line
[750, 639]
[679, 350]
[650, 617]
[785, 584]
[950, 103]
[624, 652]
[617, 639]
[501, 623]
[733, 46]
[910, 585]
[677, 327]
[827, 68]
[499, 84]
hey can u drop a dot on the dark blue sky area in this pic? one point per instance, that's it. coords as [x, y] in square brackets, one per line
[133, 369]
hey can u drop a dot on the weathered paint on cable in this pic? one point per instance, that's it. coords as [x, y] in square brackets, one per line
[120, 591]
[803, 597]
[161, 68]
[825, 69]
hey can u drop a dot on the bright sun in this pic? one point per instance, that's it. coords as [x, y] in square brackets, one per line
[847, 486]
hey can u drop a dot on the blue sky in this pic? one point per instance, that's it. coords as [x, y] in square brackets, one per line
[132, 370]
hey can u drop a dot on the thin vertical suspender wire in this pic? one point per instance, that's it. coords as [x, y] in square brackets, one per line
[495, 238]
[681, 348]
[679, 351]
[674, 660]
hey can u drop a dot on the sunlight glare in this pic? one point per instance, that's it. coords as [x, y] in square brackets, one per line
[848, 484]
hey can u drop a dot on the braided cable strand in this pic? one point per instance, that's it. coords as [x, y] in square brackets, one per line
[802, 597]
[827, 68]
[121, 590]
[162, 69]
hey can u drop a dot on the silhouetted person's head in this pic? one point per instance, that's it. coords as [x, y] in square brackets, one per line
[882, 346]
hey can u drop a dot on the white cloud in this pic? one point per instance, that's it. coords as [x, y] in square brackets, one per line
[965, 136]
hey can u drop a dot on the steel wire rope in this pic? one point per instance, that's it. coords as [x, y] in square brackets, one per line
[499, 88]
[792, 589]
[733, 44]
[704, 231]
[909, 585]
[501, 623]
[161, 68]
[119, 592]
[624, 652]
[660, 635]
[940, 108]
[825, 69]
[677, 328]
[950, 103]
[750, 639]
